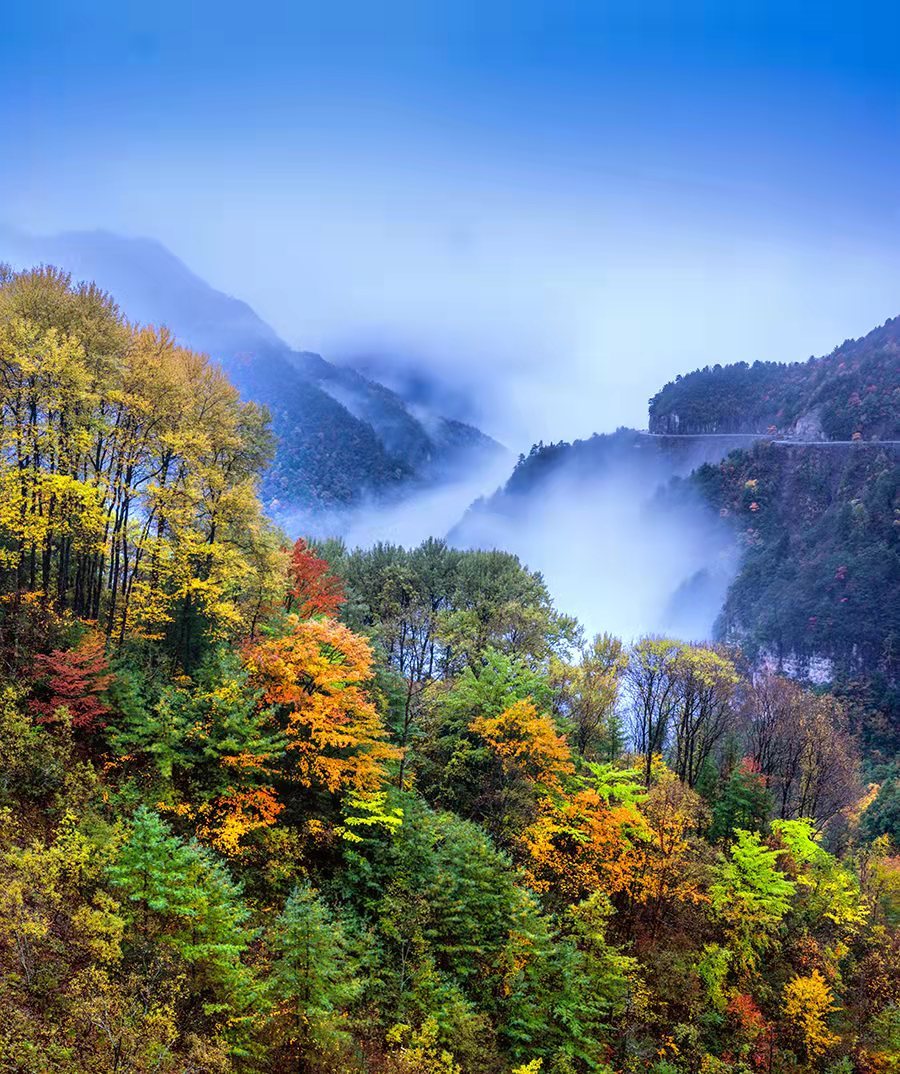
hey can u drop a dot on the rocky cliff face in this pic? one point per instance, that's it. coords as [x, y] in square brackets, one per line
[818, 587]
[674, 424]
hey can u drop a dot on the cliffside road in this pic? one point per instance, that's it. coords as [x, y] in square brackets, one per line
[782, 442]
[836, 443]
[704, 436]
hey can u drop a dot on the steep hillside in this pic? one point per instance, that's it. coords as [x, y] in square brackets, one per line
[341, 436]
[375, 812]
[818, 588]
[853, 393]
[789, 551]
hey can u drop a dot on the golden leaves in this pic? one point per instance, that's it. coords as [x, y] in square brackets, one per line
[807, 1003]
[316, 676]
[521, 737]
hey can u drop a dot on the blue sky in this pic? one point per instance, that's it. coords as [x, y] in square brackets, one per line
[552, 207]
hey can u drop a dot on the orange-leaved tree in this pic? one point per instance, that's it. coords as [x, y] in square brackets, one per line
[525, 760]
[664, 863]
[526, 743]
[315, 676]
[73, 679]
[314, 589]
[236, 814]
[578, 845]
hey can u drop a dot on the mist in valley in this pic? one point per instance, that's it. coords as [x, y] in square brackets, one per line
[616, 547]
[405, 519]
[611, 552]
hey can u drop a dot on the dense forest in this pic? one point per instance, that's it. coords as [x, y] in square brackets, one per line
[277, 807]
[819, 576]
[852, 394]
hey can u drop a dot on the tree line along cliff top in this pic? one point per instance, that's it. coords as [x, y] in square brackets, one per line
[852, 393]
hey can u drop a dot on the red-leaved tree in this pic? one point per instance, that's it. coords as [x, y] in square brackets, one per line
[314, 589]
[74, 679]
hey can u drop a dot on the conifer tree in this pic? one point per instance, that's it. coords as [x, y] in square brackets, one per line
[312, 974]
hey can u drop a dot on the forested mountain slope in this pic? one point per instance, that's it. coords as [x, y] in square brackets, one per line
[387, 810]
[811, 583]
[341, 436]
[822, 551]
[818, 587]
[818, 523]
[853, 393]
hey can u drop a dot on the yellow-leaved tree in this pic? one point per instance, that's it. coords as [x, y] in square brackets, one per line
[807, 1003]
[128, 471]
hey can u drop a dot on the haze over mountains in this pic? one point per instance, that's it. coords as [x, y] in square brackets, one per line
[764, 510]
[343, 439]
[362, 461]
[591, 516]
[355, 458]
[448, 625]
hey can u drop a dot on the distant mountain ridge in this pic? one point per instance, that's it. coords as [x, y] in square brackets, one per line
[852, 393]
[342, 437]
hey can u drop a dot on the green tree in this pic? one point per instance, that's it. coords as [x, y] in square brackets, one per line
[743, 803]
[565, 989]
[178, 896]
[313, 979]
[882, 817]
[587, 697]
[214, 747]
[829, 896]
[751, 896]
[455, 760]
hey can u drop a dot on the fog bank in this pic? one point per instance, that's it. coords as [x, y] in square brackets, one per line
[423, 511]
[614, 548]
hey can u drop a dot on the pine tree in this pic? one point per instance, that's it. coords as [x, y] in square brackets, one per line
[312, 974]
[182, 898]
[156, 872]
